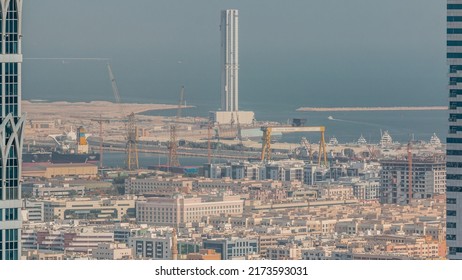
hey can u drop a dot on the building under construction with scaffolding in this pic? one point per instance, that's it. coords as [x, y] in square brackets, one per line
[427, 179]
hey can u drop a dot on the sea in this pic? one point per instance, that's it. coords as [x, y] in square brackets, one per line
[347, 127]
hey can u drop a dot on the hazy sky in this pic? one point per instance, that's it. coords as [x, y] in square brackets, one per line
[311, 52]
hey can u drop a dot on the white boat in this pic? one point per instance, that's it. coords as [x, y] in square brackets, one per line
[333, 141]
[330, 118]
[435, 141]
[386, 139]
[362, 140]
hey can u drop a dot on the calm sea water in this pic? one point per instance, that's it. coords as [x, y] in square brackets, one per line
[145, 159]
[349, 126]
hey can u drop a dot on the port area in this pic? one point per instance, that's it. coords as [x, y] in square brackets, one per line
[45, 119]
[48, 118]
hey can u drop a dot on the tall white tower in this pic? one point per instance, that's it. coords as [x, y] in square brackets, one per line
[229, 60]
[11, 129]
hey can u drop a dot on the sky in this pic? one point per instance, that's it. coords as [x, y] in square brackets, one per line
[293, 52]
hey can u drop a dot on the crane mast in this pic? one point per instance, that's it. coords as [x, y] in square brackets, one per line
[173, 145]
[100, 121]
[131, 147]
[409, 167]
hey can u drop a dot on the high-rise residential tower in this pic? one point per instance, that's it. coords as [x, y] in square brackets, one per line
[229, 60]
[454, 140]
[11, 129]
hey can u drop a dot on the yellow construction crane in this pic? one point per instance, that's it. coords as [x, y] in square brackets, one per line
[101, 121]
[173, 145]
[266, 140]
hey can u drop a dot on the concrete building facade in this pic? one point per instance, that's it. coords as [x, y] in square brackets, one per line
[11, 128]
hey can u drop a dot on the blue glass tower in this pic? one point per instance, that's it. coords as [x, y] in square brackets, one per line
[11, 129]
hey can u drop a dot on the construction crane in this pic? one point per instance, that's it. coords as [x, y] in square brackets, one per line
[217, 144]
[209, 147]
[131, 147]
[132, 143]
[100, 121]
[266, 140]
[173, 145]
[239, 129]
[115, 89]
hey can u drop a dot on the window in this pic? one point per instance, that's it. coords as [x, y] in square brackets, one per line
[11, 30]
[454, 19]
[450, 237]
[454, 152]
[451, 213]
[454, 6]
[454, 176]
[455, 128]
[454, 104]
[11, 244]
[451, 201]
[453, 189]
[453, 31]
[450, 225]
[11, 214]
[455, 92]
[454, 250]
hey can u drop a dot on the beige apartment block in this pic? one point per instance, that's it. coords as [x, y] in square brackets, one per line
[112, 251]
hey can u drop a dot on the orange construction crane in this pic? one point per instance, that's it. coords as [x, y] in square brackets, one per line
[409, 167]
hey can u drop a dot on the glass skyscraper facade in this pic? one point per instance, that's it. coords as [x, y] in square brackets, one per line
[11, 129]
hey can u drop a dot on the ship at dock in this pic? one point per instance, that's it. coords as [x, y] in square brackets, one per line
[71, 147]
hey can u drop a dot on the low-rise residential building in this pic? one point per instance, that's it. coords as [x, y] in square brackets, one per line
[152, 246]
[204, 254]
[232, 248]
[319, 253]
[157, 184]
[41, 190]
[112, 251]
[288, 252]
[89, 209]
